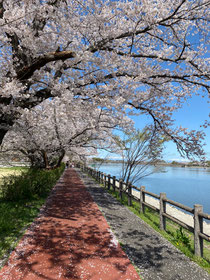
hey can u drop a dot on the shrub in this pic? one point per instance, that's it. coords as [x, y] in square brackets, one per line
[34, 183]
[181, 237]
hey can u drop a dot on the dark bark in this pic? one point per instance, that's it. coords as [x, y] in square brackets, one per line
[46, 161]
[60, 159]
[2, 9]
[2, 134]
[27, 71]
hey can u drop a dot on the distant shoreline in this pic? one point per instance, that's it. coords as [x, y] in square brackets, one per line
[183, 165]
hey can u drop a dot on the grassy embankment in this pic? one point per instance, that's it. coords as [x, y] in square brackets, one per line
[180, 238]
[22, 193]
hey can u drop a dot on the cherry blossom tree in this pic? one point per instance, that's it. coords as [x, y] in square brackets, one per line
[45, 133]
[142, 55]
[140, 151]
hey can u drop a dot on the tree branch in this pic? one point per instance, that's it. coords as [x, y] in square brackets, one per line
[27, 71]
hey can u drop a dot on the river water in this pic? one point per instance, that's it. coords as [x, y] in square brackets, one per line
[189, 185]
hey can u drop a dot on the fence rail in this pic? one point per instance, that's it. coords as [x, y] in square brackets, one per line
[118, 185]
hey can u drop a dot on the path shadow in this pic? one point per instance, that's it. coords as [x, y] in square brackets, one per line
[150, 252]
[69, 235]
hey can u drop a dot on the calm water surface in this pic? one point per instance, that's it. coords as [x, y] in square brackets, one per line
[188, 186]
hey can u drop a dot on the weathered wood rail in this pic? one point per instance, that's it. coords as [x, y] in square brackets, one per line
[128, 189]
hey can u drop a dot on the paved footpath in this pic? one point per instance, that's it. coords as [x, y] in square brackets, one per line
[69, 240]
[156, 258]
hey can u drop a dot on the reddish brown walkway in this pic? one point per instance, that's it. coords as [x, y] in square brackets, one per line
[70, 240]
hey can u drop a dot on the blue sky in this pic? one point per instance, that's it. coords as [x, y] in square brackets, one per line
[193, 114]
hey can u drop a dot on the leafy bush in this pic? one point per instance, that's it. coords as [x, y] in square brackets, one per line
[181, 237]
[34, 183]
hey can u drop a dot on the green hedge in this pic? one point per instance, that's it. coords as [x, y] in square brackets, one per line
[31, 184]
[21, 197]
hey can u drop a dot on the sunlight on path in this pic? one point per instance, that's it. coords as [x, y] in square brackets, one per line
[69, 240]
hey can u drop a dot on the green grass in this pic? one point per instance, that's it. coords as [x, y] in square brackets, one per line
[15, 218]
[21, 197]
[180, 238]
[12, 169]
[7, 171]
[30, 184]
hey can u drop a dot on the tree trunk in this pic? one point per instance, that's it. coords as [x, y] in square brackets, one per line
[46, 162]
[60, 159]
[2, 134]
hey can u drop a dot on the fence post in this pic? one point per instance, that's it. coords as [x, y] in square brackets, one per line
[105, 180]
[198, 227]
[108, 182]
[129, 194]
[162, 210]
[114, 183]
[142, 199]
[99, 177]
[120, 188]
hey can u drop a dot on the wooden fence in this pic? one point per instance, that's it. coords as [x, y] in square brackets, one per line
[128, 189]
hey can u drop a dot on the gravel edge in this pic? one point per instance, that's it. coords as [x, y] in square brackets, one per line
[152, 254]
